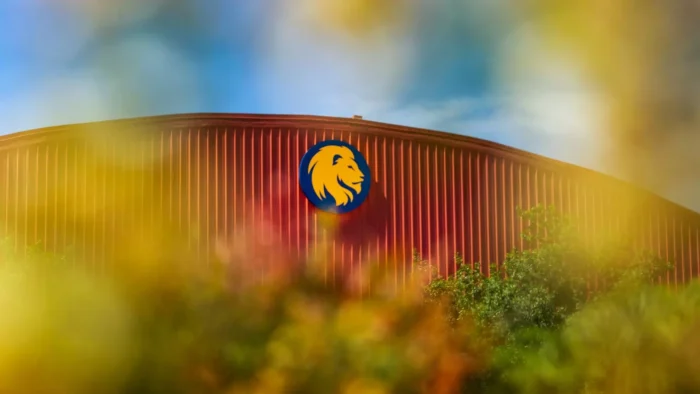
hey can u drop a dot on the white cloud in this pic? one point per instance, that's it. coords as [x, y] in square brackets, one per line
[543, 105]
[548, 98]
[309, 69]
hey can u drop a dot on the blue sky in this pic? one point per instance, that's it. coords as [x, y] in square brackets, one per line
[450, 68]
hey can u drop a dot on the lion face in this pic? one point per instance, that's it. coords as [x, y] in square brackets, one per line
[349, 173]
[334, 170]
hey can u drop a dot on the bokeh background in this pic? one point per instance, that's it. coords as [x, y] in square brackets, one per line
[607, 86]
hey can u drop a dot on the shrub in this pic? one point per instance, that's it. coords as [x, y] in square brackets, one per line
[640, 340]
[535, 291]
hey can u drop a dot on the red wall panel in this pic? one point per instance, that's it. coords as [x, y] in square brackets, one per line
[212, 175]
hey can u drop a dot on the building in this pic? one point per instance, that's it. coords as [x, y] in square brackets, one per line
[204, 175]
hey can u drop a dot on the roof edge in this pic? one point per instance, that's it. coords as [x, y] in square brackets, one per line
[204, 118]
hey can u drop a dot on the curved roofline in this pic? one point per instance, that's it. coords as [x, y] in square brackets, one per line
[187, 119]
[350, 124]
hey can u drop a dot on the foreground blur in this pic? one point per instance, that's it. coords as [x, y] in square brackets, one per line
[65, 330]
[165, 324]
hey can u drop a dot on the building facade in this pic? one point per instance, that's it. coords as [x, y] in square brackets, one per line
[204, 176]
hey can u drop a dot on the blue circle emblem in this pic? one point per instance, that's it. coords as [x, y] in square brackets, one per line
[335, 176]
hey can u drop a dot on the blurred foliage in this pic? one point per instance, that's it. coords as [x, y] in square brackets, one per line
[643, 54]
[69, 330]
[359, 18]
[539, 324]
[640, 340]
[63, 329]
[532, 295]
[297, 336]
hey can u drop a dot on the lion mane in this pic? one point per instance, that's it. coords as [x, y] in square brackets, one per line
[334, 171]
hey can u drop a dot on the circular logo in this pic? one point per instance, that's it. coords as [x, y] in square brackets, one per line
[334, 176]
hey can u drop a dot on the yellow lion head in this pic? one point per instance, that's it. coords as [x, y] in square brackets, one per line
[333, 169]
